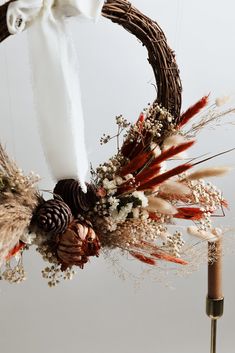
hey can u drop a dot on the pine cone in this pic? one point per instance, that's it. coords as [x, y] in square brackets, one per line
[76, 245]
[71, 193]
[53, 216]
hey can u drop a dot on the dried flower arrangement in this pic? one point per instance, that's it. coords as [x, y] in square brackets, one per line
[134, 198]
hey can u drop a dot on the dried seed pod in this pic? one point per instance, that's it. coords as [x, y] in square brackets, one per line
[53, 216]
[71, 192]
[76, 244]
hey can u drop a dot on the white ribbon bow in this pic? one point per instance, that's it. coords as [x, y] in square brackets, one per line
[55, 79]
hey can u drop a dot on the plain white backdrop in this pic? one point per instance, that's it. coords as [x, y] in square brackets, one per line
[98, 312]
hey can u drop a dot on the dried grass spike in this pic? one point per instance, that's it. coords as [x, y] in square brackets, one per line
[192, 111]
[156, 204]
[208, 173]
[171, 187]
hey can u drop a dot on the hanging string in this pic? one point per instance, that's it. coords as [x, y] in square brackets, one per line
[179, 21]
[9, 101]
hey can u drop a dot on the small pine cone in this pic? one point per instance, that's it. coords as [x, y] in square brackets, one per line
[71, 193]
[76, 245]
[53, 216]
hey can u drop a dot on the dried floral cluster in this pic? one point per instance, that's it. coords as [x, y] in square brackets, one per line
[142, 201]
[140, 196]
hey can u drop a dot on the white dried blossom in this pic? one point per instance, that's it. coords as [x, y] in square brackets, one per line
[54, 274]
[118, 180]
[136, 213]
[114, 202]
[141, 196]
[122, 214]
[15, 274]
[173, 243]
[110, 186]
[128, 177]
[144, 214]
[28, 238]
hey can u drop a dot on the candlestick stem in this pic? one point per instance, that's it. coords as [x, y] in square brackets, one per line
[213, 335]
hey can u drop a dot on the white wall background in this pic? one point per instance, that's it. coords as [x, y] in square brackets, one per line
[98, 312]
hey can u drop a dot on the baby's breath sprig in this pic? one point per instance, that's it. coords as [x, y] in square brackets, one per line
[122, 125]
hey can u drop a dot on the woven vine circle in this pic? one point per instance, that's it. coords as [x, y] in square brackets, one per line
[160, 55]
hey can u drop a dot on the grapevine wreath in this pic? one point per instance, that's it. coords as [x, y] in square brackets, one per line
[135, 199]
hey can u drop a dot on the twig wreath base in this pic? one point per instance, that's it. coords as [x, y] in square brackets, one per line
[142, 201]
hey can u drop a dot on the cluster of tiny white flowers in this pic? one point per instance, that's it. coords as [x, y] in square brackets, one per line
[207, 195]
[130, 233]
[14, 274]
[101, 207]
[156, 127]
[22, 183]
[47, 255]
[54, 274]
[110, 168]
[121, 215]
[113, 202]
[163, 113]
[28, 238]
[141, 196]
[122, 122]
[111, 205]
[174, 243]
[105, 139]
[152, 126]
[110, 186]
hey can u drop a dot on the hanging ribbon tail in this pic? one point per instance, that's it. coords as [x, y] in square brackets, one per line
[54, 67]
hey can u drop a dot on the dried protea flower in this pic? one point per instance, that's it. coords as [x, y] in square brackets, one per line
[71, 193]
[53, 216]
[76, 244]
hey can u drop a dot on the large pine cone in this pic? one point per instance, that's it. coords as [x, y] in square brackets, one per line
[76, 245]
[53, 216]
[71, 192]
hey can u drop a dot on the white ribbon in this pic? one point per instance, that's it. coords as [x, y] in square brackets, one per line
[55, 79]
